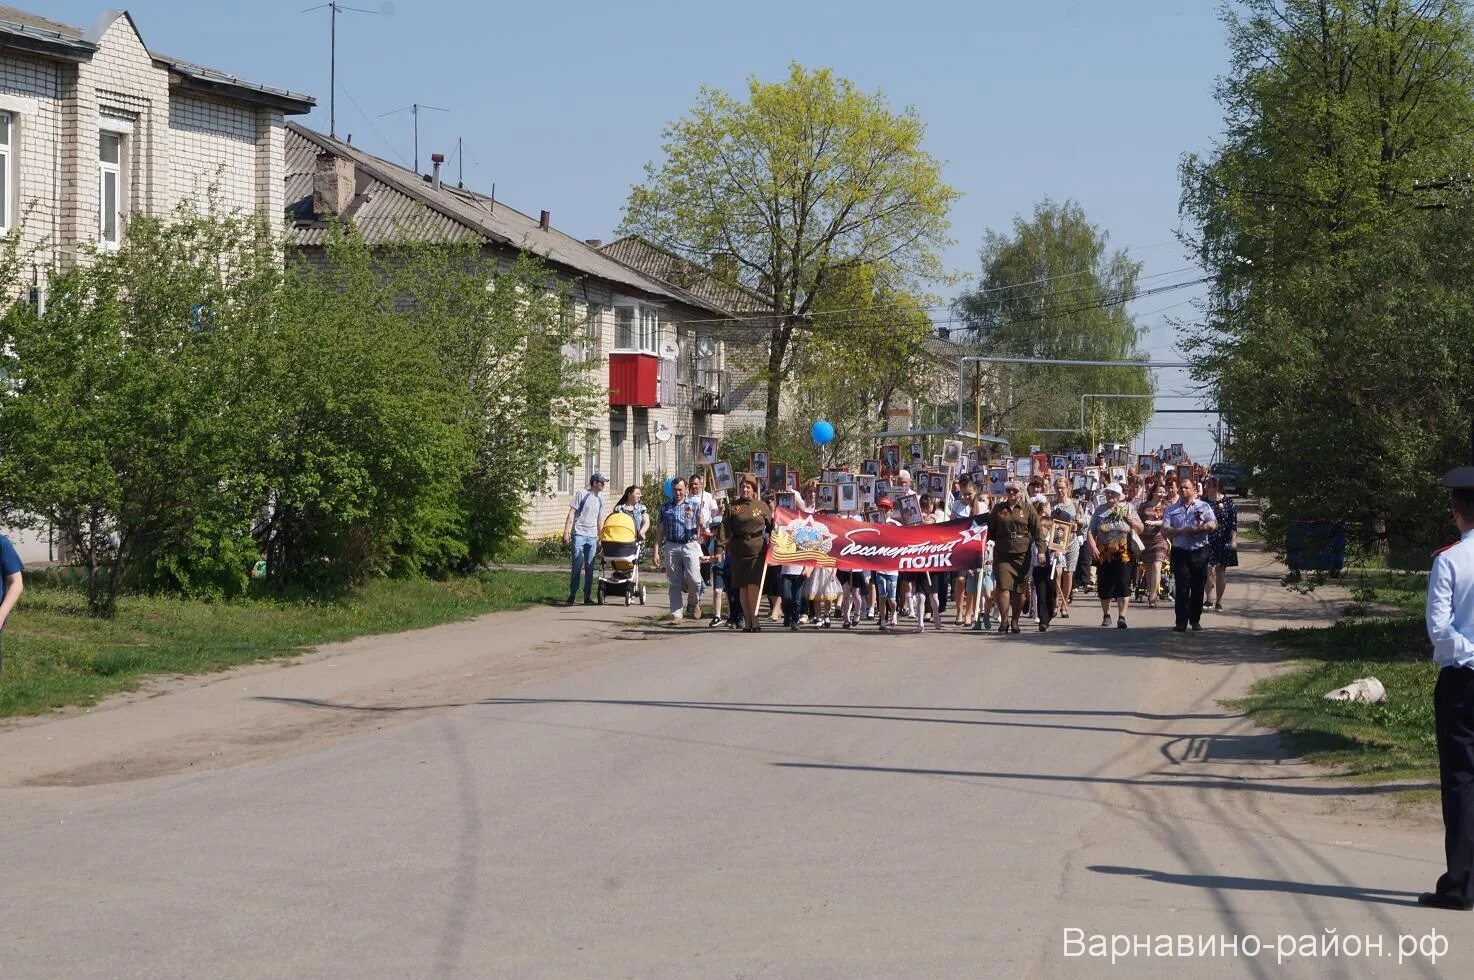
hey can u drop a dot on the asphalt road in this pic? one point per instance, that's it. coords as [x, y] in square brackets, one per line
[692, 803]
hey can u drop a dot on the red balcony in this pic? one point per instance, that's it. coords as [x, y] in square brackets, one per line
[634, 380]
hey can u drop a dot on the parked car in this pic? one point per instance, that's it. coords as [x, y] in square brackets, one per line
[1231, 477]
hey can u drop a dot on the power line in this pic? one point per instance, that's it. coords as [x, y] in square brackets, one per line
[382, 138]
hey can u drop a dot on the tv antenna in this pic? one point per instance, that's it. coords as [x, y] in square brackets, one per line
[414, 110]
[336, 7]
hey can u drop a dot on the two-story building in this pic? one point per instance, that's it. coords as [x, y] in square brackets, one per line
[653, 343]
[95, 127]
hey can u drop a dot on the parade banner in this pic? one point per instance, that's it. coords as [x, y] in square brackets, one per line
[832, 541]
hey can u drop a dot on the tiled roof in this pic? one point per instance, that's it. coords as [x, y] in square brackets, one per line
[642, 254]
[393, 203]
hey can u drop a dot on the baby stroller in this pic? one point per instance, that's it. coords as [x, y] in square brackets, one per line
[619, 559]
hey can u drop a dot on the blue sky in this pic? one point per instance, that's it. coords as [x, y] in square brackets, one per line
[562, 104]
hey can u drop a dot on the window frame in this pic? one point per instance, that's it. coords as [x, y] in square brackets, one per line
[118, 171]
[7, 169]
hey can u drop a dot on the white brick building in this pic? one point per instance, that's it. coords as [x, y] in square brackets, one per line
[94, 127]
[658, 346]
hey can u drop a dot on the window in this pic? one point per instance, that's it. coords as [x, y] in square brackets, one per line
[590, 453]
[5, 182]
[565, 464]
[109, 188]
[649, 329]
[624, 328]
[681, 459]
[642, 443]
[616, 450]
[591, 331]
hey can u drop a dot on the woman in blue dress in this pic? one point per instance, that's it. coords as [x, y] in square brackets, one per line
[1223, 544]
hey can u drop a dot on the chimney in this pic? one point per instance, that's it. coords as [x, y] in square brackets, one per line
[332, 184]
[436, 159]
[594, 242]
[724, 264]
[545, 221]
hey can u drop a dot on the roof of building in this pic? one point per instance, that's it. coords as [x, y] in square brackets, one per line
[394, 204]
[665, 265]
[23, 29]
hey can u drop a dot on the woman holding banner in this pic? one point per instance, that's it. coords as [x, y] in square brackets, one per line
[1012, 527]
[744, 537]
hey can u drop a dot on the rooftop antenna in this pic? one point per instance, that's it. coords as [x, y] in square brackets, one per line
[460, 164]
[335, 7]
[414, 110]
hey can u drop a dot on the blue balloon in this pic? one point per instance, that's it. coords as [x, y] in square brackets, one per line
[670, 488]
[822, 432]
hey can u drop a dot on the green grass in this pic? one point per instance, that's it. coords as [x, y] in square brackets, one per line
[547, 550]
[1373, 741]
[55, 655]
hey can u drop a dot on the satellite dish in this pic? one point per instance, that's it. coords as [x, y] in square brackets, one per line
[670, 350]
[662, 432]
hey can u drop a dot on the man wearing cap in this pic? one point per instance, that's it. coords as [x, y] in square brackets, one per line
[1450, 621]
[1189, 524]
[581, 529]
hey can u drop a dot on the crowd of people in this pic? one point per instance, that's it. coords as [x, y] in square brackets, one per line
[1166, 536]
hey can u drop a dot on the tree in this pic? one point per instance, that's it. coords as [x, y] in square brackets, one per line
[1330, 216]
[1053, 288]
[806, 177]
[130, 411]
[866, 351]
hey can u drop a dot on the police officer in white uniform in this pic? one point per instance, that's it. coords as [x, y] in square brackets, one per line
[1450, 620]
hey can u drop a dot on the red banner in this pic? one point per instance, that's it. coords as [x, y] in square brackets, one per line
[832, 541]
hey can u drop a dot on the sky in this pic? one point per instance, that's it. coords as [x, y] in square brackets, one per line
[561, 105]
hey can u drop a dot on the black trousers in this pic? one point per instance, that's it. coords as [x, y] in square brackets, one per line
[1045, 591]
[1453, 723]
[1189, 577]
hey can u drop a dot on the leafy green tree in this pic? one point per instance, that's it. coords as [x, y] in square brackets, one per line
[1053, 288]
[867, 351]
[507, 335]
[1332, 216]
[806, 177]
[128, 419]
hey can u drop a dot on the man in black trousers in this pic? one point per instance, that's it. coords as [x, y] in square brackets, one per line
[1450, 619]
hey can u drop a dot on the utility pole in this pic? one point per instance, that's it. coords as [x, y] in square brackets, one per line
[334, 6]
[414, 110]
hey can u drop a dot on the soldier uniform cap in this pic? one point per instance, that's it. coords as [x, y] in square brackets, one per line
[1459, 478]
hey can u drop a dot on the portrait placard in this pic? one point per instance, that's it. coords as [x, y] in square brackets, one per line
[890, 460]
[910, 509]
[758, 465]
[721, 475]
[826, 497]
[866, 483]
[1060, 533]
[706, 450]
[870, 467]
[849, 498]
[777, 475]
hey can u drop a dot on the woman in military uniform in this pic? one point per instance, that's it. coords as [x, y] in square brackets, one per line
[744, 535]
[1012, 527]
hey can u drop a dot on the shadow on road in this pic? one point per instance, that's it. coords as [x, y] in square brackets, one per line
[1186, 782]
[1383, 896]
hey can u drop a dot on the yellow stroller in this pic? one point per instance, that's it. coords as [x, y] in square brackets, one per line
[619, 559]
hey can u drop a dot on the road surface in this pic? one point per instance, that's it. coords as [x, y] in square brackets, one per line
[574, 793]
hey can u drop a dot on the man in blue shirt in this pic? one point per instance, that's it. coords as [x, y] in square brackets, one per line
[1188, 524]
[12, 582]
[1450, 621]
[680, 535]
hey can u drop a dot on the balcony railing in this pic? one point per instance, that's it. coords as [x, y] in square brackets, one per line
[712, 392]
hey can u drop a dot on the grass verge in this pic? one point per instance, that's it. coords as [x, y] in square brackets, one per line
[55, 655]
[1382, 636]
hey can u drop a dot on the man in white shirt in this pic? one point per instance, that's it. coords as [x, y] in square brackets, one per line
[1450, 622]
